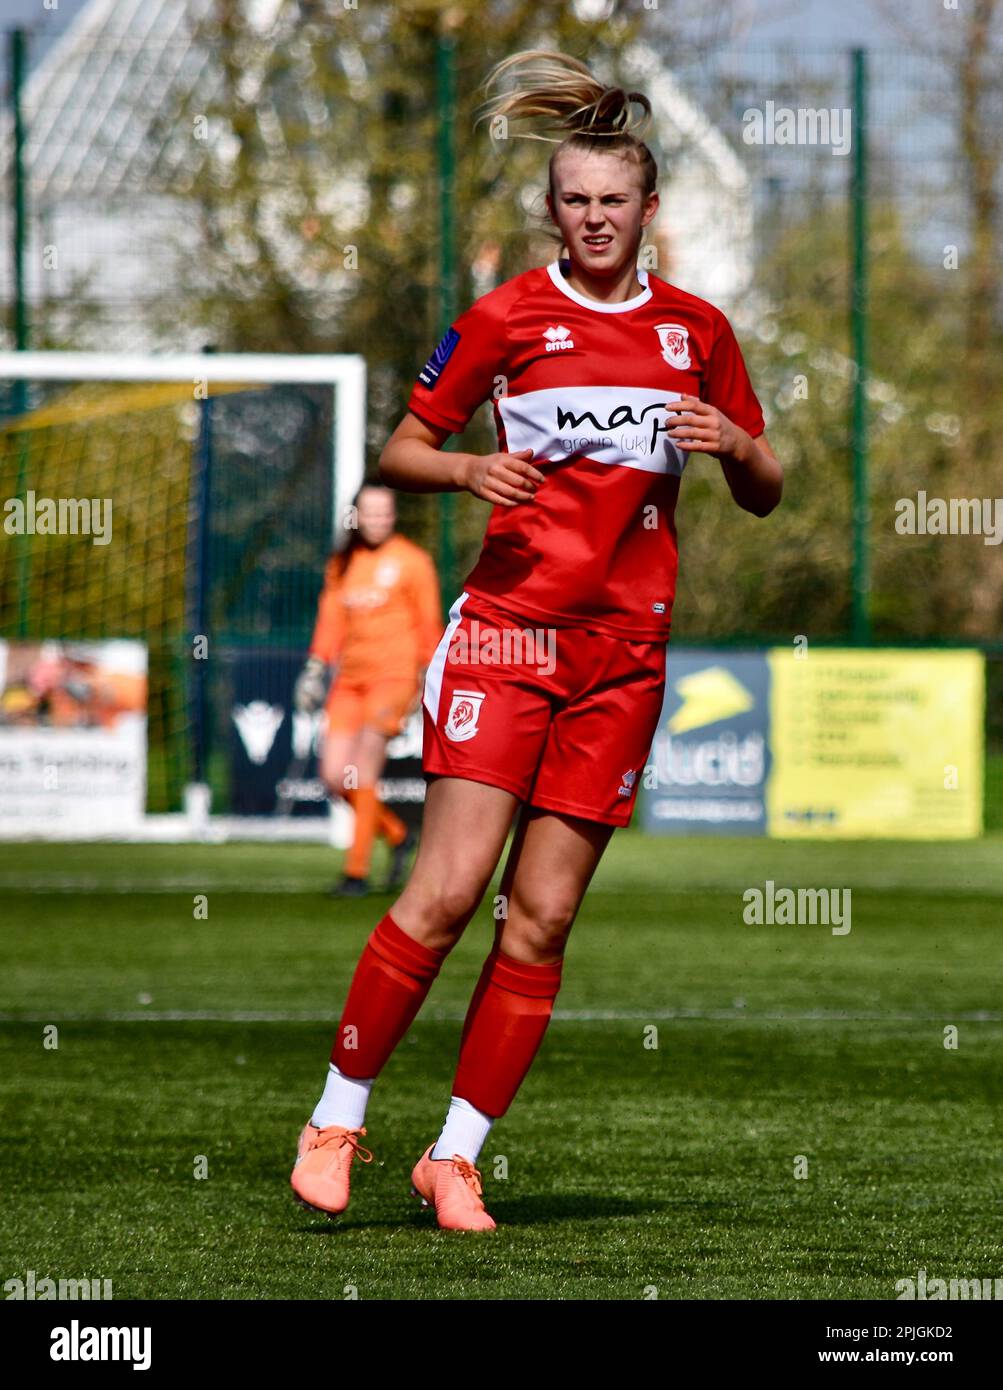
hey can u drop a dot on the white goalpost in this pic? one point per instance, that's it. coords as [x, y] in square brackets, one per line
[345, 373]
[40, 430]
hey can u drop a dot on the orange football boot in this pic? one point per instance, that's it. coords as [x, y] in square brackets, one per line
[321, 1173]
[453, 1187]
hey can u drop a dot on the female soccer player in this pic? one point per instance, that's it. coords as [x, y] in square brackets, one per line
[546, 687]
[379, 619]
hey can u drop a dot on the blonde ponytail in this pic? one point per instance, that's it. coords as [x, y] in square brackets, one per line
[557, 93]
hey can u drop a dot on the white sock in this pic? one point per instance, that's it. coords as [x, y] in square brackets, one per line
[343, 1102]
[464, 1132]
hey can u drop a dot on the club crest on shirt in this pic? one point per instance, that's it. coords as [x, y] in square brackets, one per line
[387, 573]
[464, 710]
[674, 340]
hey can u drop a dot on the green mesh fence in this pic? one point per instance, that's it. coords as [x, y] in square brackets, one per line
[142, 448]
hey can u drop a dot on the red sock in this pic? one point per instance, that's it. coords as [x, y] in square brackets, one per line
[391, 980]
[504, 1029]
[478, 994]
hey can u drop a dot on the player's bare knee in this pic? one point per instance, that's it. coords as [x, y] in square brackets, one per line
[541, 928]
[438, 911]
[455, 903]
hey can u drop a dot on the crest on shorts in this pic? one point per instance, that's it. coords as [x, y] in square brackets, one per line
[464, 709]
[674, 340]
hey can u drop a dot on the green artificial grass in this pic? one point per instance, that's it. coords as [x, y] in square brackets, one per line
[651, 1151]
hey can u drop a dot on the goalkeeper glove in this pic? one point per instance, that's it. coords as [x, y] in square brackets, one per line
[311, 686]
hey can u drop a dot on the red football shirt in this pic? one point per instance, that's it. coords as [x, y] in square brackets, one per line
[584, 385]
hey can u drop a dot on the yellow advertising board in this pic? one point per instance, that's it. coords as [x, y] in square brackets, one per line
[876, 744]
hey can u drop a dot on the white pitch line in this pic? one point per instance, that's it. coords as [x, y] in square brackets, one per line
[559, 1016]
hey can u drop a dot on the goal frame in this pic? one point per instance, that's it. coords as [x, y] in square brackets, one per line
[345, 373]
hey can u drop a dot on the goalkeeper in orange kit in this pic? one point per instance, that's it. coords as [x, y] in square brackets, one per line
[378, 621]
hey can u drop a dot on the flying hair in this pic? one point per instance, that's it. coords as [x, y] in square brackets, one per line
[559, 94]
[565, 104]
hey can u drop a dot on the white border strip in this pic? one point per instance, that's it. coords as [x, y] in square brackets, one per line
[338, 368]
[623, 307]
[432, 693]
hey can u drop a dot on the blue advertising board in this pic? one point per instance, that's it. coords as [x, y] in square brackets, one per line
[710, 757]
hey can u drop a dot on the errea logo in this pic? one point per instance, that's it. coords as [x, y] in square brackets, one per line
[558, 338]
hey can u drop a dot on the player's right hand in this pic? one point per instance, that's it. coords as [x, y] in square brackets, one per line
[311, 686]
[506, 479]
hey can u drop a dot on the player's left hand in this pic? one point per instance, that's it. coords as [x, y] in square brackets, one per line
[698, 427]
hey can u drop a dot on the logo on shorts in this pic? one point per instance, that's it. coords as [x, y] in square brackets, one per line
[627, 781]
[674, 339]
[464, 708]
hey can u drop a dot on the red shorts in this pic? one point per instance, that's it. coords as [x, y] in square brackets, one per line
[561, 717]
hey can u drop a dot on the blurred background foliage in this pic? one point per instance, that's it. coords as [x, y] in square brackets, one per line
[296, 152]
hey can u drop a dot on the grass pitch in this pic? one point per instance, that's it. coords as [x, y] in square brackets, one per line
[639, 1163]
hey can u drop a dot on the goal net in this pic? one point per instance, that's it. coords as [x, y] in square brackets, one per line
[163, 532]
